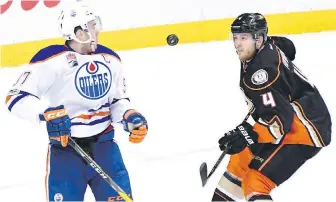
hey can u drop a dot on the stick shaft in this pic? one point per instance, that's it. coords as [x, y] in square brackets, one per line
[99, 170]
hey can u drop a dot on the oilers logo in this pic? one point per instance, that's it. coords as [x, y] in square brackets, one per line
[93, 80]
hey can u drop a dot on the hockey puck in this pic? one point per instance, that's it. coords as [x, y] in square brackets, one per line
[172, 40]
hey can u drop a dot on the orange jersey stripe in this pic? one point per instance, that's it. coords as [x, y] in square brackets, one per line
[88, 117]
[8, 98]
[305, 117]
[298, 134]
[264, 136]
[269, 158]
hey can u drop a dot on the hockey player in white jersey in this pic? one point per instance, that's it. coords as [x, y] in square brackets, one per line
[84, 84]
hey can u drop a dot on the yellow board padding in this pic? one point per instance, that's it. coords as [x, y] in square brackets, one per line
[189, 32]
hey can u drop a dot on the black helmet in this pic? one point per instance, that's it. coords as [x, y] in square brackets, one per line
[253, 23]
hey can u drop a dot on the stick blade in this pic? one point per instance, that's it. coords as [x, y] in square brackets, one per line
[204, 173]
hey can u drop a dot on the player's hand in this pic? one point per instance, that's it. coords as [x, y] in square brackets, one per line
[136, 124]
[237, 139]
[58, 124]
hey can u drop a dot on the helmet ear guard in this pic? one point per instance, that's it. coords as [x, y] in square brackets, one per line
[256, 34]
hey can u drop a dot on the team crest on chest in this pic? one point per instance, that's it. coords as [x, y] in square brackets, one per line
[93, 80]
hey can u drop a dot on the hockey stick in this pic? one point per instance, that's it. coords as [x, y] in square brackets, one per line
[99, 170]
[96, 167]
[204, 168]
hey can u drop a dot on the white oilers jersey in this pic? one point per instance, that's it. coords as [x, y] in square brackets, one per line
[91, 87]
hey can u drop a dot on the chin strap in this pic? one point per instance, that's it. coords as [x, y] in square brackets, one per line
[92, 46]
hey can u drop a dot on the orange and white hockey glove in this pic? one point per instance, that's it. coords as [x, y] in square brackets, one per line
[136, 124]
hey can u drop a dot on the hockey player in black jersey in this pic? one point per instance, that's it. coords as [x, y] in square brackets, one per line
[288, 120]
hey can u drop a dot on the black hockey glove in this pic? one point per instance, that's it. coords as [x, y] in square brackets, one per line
[237, 139]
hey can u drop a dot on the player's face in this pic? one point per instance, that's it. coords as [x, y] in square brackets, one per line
[245, 45]
[94, 30]
[90, 36]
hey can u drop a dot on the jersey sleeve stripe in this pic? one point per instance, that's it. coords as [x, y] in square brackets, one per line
[11, 100]
[312, 131]
[268, 85]
[14, 101]
[8, 98]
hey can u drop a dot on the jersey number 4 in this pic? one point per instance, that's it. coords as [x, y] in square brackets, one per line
[267, 99]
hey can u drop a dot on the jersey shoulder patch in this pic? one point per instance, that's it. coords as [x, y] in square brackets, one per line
[264, 69]
[48, 53]
[104, 50]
